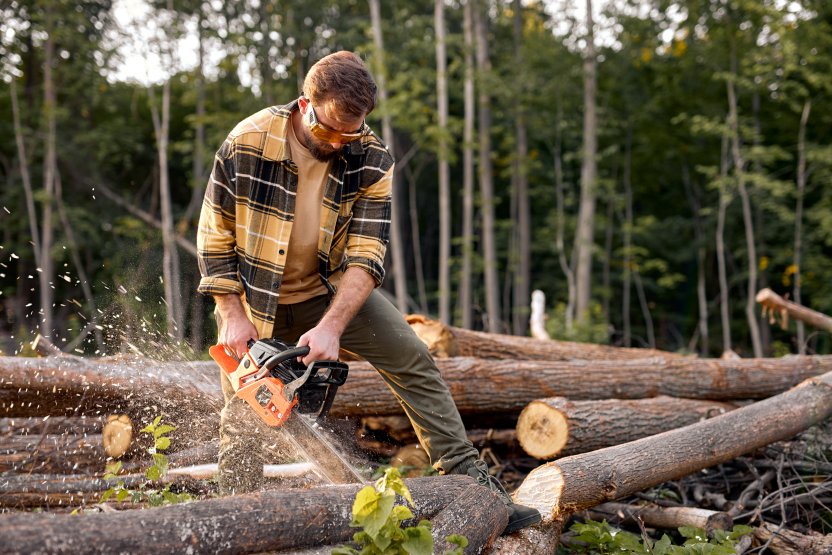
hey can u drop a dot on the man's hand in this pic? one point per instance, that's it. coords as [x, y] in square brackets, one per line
[324, 344]
[235, 327]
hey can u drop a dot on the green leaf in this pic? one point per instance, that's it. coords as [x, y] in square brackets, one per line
[106, 495]
[418, 540]
[739, 531]
[400, 513]
[112, 470]
[153, 473]
[693, 533]
[343, 550]
[162, 443]
[163, 429]
[371, 510]
[461, 542]
[122, 495]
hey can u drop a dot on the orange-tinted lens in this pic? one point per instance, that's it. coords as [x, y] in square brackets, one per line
[324, 133]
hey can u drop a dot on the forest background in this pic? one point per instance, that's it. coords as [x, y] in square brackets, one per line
[648, 165]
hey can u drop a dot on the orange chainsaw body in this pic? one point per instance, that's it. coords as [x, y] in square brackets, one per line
[264, 395]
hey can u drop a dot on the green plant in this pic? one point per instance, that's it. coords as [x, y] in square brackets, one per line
[600, 538]
[159, 469]
[374, 510]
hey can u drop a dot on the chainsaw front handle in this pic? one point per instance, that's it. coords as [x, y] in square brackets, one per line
[288, 354]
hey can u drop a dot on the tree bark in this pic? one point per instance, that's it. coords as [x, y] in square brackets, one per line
[627, 277]
[542, 539]
[522, 277]
[478, 514]
[586, 214]
[559, 201]
[798, 220]
[396, 239]
[465, 297]
[23, 162]
[445, 341]
[782, 541]
[77, 425]
[489, 247]
[775, 304]
[50, 169]
[279, 520]
[444, 165]
[701, 253]
[142, 389]
[557, 427]
[656, 516]
[724, 201]
[560, 488]
[52, 454]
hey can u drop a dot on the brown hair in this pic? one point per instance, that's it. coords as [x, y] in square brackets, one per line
[343, 81]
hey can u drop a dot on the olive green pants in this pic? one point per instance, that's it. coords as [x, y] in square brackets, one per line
[379, 334]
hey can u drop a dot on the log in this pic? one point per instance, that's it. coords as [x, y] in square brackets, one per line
[478, 514]
[49, 453]
[116, 435]
[579, 482]
[76, 425]
[782, 541]
[655, 516]
[542, 539]
[273, 520]
[400, 429]
[449, 341]
[775, 304]
[554, 427]
[188, 393]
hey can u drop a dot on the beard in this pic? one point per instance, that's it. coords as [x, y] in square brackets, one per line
[320, 151]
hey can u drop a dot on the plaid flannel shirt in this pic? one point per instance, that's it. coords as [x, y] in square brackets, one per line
[248, 212]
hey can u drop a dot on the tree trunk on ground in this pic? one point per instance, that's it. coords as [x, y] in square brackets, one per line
[77, 425]
[579, 482]
[782, 541]
[489, 247]
[465, 298]
[396, 239]
[656, 516]
[478, 514]
[535, 540]
[586, 213]
[401, 430]
[445, 341]
[444, 165]
[480, 387]
[777, 305]
[52, 454]
[557, 427]
[798, 219]
[284, 520]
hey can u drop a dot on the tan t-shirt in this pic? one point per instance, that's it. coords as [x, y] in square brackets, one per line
[301, 280]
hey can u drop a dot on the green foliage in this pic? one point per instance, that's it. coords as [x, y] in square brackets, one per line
[593, 330]
[600, 538]
[155, 497]
[375, 511]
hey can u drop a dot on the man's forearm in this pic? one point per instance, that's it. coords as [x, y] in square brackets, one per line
[356, 285]
[229, 306]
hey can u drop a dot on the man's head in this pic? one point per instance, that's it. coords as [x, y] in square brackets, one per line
[338, 93]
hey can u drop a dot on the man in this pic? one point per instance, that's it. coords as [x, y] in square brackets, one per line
[291, 241]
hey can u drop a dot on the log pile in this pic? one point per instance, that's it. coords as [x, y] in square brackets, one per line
[616, 422]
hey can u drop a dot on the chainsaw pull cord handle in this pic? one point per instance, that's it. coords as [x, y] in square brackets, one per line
[294, 352]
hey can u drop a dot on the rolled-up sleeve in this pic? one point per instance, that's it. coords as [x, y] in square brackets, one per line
[369, 231]
[216, 240]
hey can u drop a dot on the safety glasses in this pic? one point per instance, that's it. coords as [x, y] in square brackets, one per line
[329, 135]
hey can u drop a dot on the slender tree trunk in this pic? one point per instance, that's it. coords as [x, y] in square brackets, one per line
[645, 310]
[586, 215]
[724, 201]
[762, 281]
[628, 240]
[170, 257]
[798, 218]
[50, 166]
[24, 174]
[522, 275]
[559, 241]
[264, 60]
[444, 166]
[739, 172]
[701, 253]
[467, 169]
[396, 240]
[417, 250]
[606, 278]
[492, 286]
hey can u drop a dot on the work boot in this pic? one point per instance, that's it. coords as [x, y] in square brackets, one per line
[519, 516]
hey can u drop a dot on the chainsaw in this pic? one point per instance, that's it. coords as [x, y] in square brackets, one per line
[286, 394]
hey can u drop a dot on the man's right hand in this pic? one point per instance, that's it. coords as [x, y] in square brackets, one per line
[235, 327]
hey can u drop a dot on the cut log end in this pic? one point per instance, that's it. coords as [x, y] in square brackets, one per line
[542, 430]
[433, 333]
[116, 435]
[542, 490]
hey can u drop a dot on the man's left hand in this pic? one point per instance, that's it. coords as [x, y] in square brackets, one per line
[323, 342]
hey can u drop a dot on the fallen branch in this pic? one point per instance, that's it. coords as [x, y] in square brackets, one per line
[478, 514]
[775, 304]
[782, 541]
[663, 517]
[583, 481]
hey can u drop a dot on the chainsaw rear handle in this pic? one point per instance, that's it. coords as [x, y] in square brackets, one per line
[288, 354]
